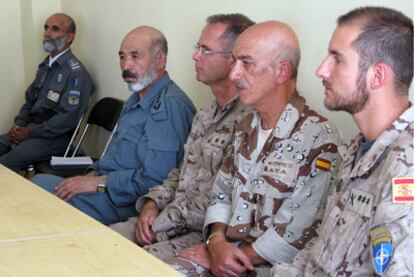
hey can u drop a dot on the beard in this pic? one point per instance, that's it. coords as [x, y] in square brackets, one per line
[142, 81]
[353, 104]
[51, 45]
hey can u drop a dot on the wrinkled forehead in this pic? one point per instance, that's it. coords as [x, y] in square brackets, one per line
[136, 42]
[59, 21]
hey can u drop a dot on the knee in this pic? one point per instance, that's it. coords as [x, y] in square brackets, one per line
[46, 181]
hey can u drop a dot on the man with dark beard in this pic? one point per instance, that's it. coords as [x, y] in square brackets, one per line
[148, 143]
[367, 228]
[55, 101]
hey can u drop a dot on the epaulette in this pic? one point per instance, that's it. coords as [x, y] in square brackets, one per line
[73, 64]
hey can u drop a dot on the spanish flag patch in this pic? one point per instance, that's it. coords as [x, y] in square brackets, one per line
[403, 190]
[323, 164]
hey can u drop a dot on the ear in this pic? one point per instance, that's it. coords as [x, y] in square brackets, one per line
[283, 71]
[378, 75]
[161, 59]
[70, 38]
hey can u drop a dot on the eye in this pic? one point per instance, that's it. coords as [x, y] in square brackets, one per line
[122, 57]
[55, 28]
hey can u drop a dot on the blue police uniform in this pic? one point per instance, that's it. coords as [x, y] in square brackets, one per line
[148, 143]
[55, 102]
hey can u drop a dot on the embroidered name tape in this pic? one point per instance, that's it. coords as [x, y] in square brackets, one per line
[381, 249]
[53, 96]
[403, 190]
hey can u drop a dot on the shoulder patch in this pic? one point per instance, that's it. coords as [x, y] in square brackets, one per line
[403, 190]
[323, 164]
[381, 249]
[73, 97]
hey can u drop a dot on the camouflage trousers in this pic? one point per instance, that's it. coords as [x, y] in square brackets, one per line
[167, 250]
[161, 249]
[189, 268]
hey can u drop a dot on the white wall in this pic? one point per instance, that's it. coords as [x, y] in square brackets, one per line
[103, 23]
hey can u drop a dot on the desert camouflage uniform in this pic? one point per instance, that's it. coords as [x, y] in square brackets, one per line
[274, 197]
[184, 196]
[343, 245]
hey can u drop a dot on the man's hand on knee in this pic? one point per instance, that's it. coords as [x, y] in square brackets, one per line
[144, 233]
[79, 184]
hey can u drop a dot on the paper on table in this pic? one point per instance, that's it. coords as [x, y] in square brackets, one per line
[55, 161]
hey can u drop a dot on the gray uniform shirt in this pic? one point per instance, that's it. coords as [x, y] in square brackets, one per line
[363, 204]
[185, 195]
[57, 98]
[274, 197]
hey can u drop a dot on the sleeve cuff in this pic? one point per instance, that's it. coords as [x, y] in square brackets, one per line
[280, 251]
[141, 201]
[217, 213]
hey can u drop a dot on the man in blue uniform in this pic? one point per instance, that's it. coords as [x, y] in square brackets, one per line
[148, 143]
[55, 101]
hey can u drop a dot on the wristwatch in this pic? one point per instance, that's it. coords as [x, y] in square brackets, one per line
[214, 234]
[102, 185]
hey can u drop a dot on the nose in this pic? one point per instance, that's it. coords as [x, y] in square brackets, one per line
[235, 73]
[324, 69]
[197, 55]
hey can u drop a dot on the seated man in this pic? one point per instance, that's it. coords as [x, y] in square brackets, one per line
[368, 229]
[269, 194]
[175, 210]
[148, 142]
[55, 101]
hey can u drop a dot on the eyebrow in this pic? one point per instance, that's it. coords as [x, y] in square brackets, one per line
[243, 57]
[335, 53]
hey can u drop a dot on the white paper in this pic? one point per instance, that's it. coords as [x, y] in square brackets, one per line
[56, 161]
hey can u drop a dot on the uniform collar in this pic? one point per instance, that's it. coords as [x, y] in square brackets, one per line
[150, 96]
[61, 59]
[289, 117]
[55, 58]
[349, 151]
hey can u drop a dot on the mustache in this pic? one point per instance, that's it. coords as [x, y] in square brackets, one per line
[240, 85]
[129, 74]
[326, 84]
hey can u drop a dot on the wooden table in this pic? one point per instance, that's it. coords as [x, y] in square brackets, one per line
[41, 235]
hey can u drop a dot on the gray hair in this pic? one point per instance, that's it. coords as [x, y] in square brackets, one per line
[236, 24]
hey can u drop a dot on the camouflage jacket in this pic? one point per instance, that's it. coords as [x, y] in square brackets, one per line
[185, 195]
[276, 200]
[363, 204]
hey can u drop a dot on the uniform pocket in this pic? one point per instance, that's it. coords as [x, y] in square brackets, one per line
[128, 156]
[341, 231]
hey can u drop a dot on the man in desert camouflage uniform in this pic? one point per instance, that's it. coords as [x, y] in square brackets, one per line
[368, 225]
[270, 192]
[175, 210]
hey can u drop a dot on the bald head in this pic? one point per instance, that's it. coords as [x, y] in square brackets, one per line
[143, 56]
[66, 21]
[154, 39]
[276, 39]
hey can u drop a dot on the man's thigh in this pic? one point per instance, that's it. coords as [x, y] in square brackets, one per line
[29, 151]
[100, 206]
[126, 228]
[170, 248]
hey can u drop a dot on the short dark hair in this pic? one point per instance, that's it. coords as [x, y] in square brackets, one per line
[386, 36]
[236, 24]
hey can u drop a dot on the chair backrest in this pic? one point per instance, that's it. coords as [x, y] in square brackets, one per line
[105, 114]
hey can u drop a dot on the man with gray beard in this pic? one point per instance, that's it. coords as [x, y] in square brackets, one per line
[55, 101]
[148, 143]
